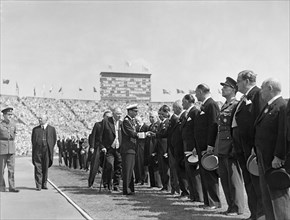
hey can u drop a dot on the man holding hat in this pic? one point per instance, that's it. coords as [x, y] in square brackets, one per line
[128, 149]
[271, 149]
[229, 169]
[7, 149]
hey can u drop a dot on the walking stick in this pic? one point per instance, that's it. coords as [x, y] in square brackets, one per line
[104, 162]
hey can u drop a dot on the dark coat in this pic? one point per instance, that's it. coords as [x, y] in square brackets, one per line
[205, 126]
[109, 133]
[187, 129]
[36, 139]
[129, 136]
[270, 137]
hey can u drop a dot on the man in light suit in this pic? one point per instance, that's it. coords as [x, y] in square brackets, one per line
[110, 144]
[272, 149]
[243, 120]
[43, 139]
[205, 132]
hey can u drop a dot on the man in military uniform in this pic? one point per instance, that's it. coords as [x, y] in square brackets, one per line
[128, 149]
[229, 169]
[7, 149]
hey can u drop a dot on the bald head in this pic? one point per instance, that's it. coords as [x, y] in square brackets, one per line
[42, 119]
[270, 88]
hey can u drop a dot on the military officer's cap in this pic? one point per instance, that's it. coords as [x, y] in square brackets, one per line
[230, 82]
[6, 110]
[132, 107]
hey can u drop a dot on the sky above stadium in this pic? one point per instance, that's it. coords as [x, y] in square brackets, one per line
[48, 45]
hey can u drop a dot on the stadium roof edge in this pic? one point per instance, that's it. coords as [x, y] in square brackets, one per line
[123, 74]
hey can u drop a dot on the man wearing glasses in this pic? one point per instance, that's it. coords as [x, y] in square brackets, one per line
[7, 149]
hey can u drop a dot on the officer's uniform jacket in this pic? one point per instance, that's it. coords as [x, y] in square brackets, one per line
[129, 136]
[224, 142]
[7, 137]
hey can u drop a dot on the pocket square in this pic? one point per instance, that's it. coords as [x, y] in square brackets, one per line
[248, 102]
[189, 119]
[202, 112]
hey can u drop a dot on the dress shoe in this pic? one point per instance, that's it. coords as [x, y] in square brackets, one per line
[44, 187]
[116, 189]
[164, 189]
[38, 189]
[14, 190]
[211, 207]
[233, 213]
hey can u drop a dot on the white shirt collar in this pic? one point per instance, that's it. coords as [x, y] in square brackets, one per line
[44, 125]
[249, 90]
[273, 99]
[206, 99]
[181, 113]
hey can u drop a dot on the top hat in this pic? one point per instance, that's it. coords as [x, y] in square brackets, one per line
[252, 165]
[209, 161]
[231, 83]
[277, 178]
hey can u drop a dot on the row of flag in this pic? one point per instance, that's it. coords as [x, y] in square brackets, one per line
[178, 91]
[128, 64]
[7, 81]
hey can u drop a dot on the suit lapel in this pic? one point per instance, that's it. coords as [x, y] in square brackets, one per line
[111, 124]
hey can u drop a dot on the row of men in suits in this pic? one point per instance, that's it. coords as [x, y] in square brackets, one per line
[74, 152]
[239, 129]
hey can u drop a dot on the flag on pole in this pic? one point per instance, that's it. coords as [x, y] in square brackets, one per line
[128, 64]
[145, 69]
[17, 89]
[95, 90]
[5, 81]
[179, 91]
[80, 89]
[34, 91]
[60, 89]
[166, 92]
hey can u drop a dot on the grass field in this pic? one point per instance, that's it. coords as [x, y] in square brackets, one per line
[147, 203]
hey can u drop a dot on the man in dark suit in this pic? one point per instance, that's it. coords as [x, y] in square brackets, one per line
[177, 148]
[173, 121]
[161, 150]
[94, 142]
[272, 149]
[110, 144]
[43, 140]
[205, 131]
[140, 175]
[287, 162]
[243, 120]
[128, 149]
[189, 145]
[150, 158]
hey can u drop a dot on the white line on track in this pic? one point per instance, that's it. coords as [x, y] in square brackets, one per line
[80, 210]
